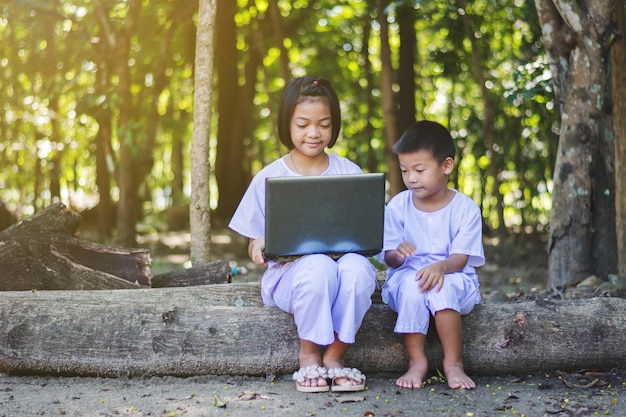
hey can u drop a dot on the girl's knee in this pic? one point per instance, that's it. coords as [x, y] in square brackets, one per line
[319, 264]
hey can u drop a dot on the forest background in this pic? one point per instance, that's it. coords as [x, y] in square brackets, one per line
[97, 107]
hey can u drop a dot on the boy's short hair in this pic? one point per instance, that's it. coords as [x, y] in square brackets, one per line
[299, 90]
[426, 135]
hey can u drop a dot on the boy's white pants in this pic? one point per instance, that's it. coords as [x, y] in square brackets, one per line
[401, 292]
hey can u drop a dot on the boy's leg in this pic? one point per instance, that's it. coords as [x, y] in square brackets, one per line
[448, 324]
[418, 362]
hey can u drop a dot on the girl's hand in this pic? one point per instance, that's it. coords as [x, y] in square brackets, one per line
[431, 276]
[255, 250]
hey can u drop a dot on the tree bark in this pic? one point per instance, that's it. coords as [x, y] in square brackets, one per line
[618, 76]
[223, 329]
[576, 37]
[230, 172]
[41, 253]
[406, 17]
[199, 209]
[217, 272]
[130, 159]
[388, 103]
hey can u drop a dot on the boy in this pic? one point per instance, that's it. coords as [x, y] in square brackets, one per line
[433, 241]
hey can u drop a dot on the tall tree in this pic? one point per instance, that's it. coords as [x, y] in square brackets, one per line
[618, 86]
[229, 167]
[576, 36]
[390, 131]
[200, 213]
[406, 16]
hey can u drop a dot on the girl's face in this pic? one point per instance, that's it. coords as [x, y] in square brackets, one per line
[425, 177]
[311, 127]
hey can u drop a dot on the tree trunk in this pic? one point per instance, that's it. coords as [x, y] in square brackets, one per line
[225, 330]
[618, 78]
[128, 182]
[230, 172]
[199, 209]
[576, 41]
[406, 16]
[388, 103]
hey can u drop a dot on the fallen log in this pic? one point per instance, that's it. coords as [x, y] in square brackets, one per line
[224, 329]
[42, 252]
[217, 272]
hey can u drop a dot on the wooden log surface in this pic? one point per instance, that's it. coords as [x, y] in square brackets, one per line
[217, 272]
[42, 252]
[224, 329]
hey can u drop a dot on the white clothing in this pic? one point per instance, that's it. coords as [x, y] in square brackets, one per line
[456, 228]
[325, 296]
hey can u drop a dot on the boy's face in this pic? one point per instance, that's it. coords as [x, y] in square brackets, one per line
[424, 176]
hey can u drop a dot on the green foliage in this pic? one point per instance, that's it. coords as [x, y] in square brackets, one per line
[58, 79]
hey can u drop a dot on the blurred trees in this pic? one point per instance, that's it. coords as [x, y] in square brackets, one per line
[99, 97]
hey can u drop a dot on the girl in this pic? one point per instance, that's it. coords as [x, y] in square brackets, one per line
[327, 298]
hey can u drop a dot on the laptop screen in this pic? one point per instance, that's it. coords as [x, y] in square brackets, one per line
[331, 214]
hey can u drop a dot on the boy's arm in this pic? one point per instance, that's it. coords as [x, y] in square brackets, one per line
[395, 258]
[432, 276]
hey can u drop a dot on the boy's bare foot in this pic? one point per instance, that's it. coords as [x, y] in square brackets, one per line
[457, 378]
[414, 377]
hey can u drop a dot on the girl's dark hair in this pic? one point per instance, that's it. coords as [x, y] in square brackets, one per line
[429, 136]
[298, 90]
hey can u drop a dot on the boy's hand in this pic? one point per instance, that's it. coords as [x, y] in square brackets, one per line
[395, 258]
[255, 250]
[430, 277]
[405, 249]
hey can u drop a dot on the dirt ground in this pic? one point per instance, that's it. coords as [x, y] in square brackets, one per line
[524, 395]
[513, 268]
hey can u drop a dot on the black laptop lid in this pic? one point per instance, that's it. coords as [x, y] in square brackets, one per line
[332, 214]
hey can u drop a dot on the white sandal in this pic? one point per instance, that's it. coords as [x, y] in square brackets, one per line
[349, 373]
[309, 373]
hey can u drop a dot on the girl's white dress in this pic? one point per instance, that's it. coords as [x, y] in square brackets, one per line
[325, 296]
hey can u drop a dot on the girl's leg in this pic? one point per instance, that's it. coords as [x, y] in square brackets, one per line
[333, 355]
[448, 324]
[418, 362]
[307, 290]
[357, 282]
[310, 355]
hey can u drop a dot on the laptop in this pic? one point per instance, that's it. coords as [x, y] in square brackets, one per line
[330, 214]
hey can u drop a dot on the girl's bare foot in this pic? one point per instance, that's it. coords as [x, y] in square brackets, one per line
[457, 378]
[414, 377]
